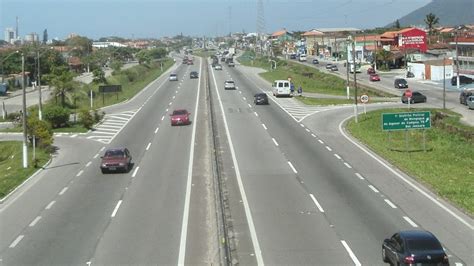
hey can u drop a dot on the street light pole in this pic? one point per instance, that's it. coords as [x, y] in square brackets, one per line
[444, 81]
[457, 60]
[355, 81]
[347, 71]
[25, 137]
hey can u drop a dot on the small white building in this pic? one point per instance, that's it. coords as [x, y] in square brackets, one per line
[432, 69]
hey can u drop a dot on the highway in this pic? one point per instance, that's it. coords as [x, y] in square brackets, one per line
[297, 189]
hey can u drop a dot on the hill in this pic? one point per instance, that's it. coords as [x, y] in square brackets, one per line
[449, 12]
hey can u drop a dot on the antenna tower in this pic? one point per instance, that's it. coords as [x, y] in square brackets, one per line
[260, 20]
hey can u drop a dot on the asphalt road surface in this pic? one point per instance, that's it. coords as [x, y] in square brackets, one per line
[298, 190]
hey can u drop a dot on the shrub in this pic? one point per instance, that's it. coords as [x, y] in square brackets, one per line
[41, 130]
[57, 116]
[98, 116]
[86, 118]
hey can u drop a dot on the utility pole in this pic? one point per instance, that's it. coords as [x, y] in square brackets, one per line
[355, 81]
[457, 60]
[40, 105]
[347, 68]
[25, 137]
[444, 81]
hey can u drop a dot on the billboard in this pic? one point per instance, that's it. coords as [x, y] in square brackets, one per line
[413, 39]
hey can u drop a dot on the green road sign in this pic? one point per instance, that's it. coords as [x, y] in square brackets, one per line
[402, 121]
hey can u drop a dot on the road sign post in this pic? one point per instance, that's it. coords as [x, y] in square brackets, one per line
[364, 98]
[407, 121]
[408, 94]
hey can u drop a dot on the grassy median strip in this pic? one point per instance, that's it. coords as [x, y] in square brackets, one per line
[309, 78]
[11, 160]
[324, 101]
[447, 166]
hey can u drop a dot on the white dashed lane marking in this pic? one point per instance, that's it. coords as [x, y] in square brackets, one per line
[410, 221]
[17, 240]
[35, 221]
[390, 204]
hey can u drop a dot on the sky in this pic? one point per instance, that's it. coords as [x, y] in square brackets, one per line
[159, 18]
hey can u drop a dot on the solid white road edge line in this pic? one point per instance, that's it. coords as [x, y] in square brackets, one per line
[274, 141]
[292, 167]
[410, 221]
[135, 171]
[17, 240]
[187, 199]
[351, 254]
[403, 178]
[116, 208]
[248, 213]
[316, 202]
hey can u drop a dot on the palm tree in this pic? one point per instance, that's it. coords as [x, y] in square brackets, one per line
[431, 20]
[64, 85]
[384, 56]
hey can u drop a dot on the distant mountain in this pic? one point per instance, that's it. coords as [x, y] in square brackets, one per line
[449, 12]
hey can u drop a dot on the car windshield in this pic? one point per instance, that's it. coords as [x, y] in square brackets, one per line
[114, 154]
[229, 82]
[422, 244]
[180, 112]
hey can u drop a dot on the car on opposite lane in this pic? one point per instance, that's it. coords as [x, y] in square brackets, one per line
[470, 102]
[260, 98]
[329, 66]
[193, 75]
[334, 68]
[173, 77]
[315, 61]
[229, 85]
[414, 247]
[180, 117]
[465, 93]
[416, 97]
[218, 67]
[116, 159]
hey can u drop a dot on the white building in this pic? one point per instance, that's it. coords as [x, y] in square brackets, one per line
[32, 37]
[10, 35]
[107, 44]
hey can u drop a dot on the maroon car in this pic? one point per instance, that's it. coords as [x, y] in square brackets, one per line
[374, 77]
[370, 71]
[180, 117]
[116, 159]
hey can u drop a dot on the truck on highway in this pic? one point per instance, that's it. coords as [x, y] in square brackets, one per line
[355, 66]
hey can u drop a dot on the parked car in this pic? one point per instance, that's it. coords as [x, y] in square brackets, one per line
[229, 85]
[116, 159]
[334, 68]
[180, 117]
[370, 71]
[292, 56]
[260, 98]
[464, 95]
[416, 97]
[218, 67]
[413, 247]
[315, 61]
[470, 102]
[462, 80]
[190, 62]
[374, 77]
[400, 83]
[173, 77]
[302, 58]
[328, 66]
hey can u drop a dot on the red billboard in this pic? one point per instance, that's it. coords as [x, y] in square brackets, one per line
[412, 38]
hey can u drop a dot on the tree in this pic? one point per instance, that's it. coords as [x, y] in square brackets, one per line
[397, 24]
[431, 20]
[80, 46]
[116, 65]
[62, 81]
[99, 76]
[384, 56]
[143, 57]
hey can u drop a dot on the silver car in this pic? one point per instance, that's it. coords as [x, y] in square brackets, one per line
[173, 77]
[229, 85]
[470, 102]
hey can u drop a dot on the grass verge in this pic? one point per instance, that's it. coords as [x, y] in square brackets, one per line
[13, 174]
[447, 167]
[311, 79]
[328, 101]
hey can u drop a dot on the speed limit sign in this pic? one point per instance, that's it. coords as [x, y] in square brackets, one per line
[364, 98]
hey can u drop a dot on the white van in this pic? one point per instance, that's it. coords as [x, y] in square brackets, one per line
[302, 58]
[281, 88]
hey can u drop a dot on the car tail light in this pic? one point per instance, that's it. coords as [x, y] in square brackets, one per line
[409, 259]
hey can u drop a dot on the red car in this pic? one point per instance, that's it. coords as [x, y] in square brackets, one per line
[117, 159]
[374, 77]
[370, 71]
[180, 117]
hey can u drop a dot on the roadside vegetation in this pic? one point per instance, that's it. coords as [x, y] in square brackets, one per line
[309, 78]
[447, 166]
[12, 174]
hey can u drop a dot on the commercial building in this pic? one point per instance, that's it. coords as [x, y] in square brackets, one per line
[328, 42]
[10, 35]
